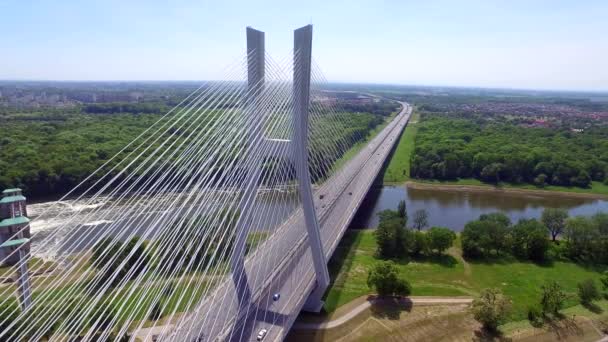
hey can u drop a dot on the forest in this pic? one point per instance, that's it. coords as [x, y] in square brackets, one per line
[47, 152]
[502, 148]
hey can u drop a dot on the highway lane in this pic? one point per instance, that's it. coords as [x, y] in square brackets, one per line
[283, 263]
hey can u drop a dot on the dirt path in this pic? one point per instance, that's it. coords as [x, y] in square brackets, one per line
[368, 303]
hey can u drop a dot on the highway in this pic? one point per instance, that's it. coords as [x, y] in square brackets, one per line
[283, 263]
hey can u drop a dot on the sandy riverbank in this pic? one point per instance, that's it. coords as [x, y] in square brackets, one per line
[489, 188]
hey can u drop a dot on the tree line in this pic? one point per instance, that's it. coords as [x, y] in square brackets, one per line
[580, 238]
[494, 149]
[48, 157]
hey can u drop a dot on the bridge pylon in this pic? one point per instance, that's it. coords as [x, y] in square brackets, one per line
[301, 89]
[255, 86]
[299, 157]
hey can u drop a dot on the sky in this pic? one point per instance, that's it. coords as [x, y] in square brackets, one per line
[533, 44]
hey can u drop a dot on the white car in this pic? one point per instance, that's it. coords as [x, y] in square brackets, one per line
[262, 334]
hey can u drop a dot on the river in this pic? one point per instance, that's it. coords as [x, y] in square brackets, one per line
[454, 208]
[59, 225]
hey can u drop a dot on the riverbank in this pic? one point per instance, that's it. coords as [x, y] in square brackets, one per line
[477, 186]
[451, 275]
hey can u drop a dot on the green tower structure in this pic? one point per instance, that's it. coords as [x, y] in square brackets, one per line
[15, 240]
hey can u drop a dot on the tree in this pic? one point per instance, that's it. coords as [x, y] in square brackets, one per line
[587, 291]
[554, 219]
[9, 313]
[420, 243]
[119, 260]
[402, 210]
[499, 218]
[529, 240]
[491, 308]
[421, 219]
[601, 220]
[583, 239]
[390, 235]
[481, 238]
[440, 238]
[385, 241]
[552, 298]
[491, 173]
[540, 180]
[384, 278]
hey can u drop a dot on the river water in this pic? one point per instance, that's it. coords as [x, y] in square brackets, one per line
[63, 226]
[74, 225]
[454, 208]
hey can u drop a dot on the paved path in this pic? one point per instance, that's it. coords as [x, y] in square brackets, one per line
[367, 304]
[605, 339]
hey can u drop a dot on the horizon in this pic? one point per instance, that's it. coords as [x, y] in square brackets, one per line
[329, 82]
[544, 46]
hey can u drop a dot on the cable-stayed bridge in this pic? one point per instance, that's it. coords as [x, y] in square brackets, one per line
[216, 223]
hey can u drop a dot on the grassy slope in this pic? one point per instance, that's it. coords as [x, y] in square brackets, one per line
[399, 165]
[449, 275]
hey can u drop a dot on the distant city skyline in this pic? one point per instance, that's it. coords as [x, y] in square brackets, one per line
[546, 45]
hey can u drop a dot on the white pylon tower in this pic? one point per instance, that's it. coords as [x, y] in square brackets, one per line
[299, 157]
[302, 48]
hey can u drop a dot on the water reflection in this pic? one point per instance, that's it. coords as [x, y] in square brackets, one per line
[454, 208]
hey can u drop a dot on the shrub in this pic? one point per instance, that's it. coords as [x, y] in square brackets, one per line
[491, 308]
[384, 277]
[604, 281]
[552, 298]
[534, 315]
[587, 291]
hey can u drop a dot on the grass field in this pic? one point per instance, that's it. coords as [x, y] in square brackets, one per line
[450, 275]
[399, 167]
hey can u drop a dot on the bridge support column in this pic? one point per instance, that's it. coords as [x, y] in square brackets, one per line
[301, 88]
[255, 85]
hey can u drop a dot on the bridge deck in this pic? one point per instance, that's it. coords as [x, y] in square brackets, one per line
[283, 263]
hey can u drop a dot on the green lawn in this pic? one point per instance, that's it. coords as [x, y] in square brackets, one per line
[449, 275]
[399, 166]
